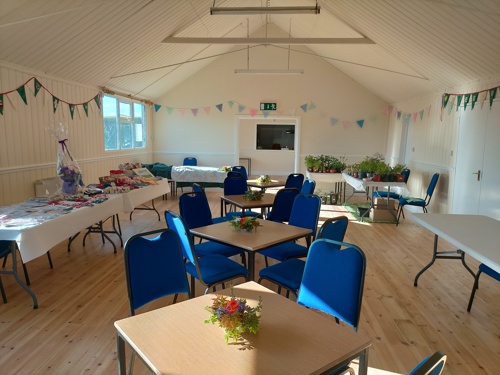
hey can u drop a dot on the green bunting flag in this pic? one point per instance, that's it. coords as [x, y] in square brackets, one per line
[446, 97]
[1, 104]
[360, 123]
[22, 91]
[231, 103]
[170, 110]
[86, 108]
[493, 93]
[72, 110]
[157, 107]
[466, 100]
[474, 99]
[38, 86]
[459, 100]
[55, 103]
[97, 101]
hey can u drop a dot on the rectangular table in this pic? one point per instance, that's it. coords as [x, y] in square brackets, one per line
[137, 197]
[476, 235]
[292, 339]
[270, 233]
[246, 204]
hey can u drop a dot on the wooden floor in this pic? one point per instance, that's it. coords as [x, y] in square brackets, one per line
[72, 331]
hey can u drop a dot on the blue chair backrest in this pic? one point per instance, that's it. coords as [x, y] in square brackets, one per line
[406, 174]
[154, 267]
[334, 228]
[234, 174]
[294, 180]
[333, 280]
[308, 186]
[432, 184]
[197, 188]
[235, 185]
[282, 205]
[305, 212]
[190, 161]
[195, 209]
[242, 170]
[177, 224]
[432, 365]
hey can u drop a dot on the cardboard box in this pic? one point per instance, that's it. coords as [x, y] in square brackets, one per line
[381, 203]
[383, 215]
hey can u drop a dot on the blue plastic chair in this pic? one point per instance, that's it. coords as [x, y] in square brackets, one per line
[210, 270]
[432, 365]
[235, 185]
[190, 161]
[308, 186]
[282, 205]
[288, 274]
[240, 169]
[483, 268]
[195, 210]
[154, 268]
[392, 195]
[418, 202]
[333, 280]
[305, 214]
[294, 180]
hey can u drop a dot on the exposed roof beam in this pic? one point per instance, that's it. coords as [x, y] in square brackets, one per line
[277, 41]
[264, 10]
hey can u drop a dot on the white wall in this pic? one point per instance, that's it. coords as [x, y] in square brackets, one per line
[327, 92]
[27, 150]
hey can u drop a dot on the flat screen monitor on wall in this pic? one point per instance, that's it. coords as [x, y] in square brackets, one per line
[275, 137]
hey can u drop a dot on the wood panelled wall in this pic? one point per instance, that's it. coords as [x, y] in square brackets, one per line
[28, 152]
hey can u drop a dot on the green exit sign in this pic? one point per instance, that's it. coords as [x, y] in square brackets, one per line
[268, 106]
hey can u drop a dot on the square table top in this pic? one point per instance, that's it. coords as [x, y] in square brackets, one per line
[238, 200]
[292, 339]
[477, 235]
[269, 233]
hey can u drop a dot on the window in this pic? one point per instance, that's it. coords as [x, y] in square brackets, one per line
[275, 137]
[124, 123]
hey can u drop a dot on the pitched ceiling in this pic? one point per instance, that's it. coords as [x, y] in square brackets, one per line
[420, 46]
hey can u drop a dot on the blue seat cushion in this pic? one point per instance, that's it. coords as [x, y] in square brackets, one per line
[383, 194]
[288, 273]
[217, 220]
[216, 268]
[210, 248]
[412, 201]
[285, 251]
[231, 214]
[490, 272]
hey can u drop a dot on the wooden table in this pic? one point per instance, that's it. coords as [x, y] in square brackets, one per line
[292, 339]
[270, 233]
[476, 235]
[264, 186]
[246, 204]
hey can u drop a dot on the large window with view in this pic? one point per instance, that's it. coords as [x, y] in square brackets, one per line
[124, 123]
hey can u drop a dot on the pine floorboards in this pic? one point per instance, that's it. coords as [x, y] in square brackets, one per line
[72, 331]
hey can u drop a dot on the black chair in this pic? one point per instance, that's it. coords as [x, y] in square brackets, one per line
[210, 270]
[294, 180]
[483, 268]
[418, 202]
[288, 274]
[282, 205]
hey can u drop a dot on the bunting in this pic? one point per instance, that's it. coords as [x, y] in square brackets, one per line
[360, 123]
[157, 107]
[471, 98]
[37, 86]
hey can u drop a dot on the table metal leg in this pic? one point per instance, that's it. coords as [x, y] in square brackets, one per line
[18, 279]
[144, 207]
[120, 344]
[251, 266]
[363, 363]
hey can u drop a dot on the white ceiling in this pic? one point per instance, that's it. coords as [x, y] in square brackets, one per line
[420, 46]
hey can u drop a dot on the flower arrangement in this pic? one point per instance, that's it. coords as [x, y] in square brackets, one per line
[264, 179]
[234, 315]
[225, 168]
[248, 223]
[71, 177]
[253, 195]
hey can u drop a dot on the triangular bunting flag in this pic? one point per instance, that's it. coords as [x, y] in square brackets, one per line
[466, 100]
[421, 114]
[170, 110]
[304, 107]
[333, 121]
[493, 93]
[253, 112]
[231, 103]
[450, 104]
[38, 86]
[241, 108]
[459, 100]
[1, 104]
[311, 106]
[157, 107]
[445, 99]
[474, 99]
[97, 99]
[398, 114]
[346, 123]
[266, 114]
[182, 111]
[374, 118]
[55, 103]
[360, 123]
[72, 110]
[194, 111]
[415, 117]
[22, 91]
[219, 107]
[86, 109]
[207, 110]
[482, 98]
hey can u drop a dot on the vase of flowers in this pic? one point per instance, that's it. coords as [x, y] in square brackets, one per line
[253, 195]
[248, 223]
[264, 179]
[234, 315]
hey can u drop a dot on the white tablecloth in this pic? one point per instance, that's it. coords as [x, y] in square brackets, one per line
[187, 173]
[136, 197]
[361, 185]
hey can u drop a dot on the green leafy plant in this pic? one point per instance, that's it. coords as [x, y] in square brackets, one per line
[234, 315]
[253, 195]
[264, 179]
[248, 223]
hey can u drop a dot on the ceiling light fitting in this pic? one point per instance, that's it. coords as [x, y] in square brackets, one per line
[269, 71]
[214, 11]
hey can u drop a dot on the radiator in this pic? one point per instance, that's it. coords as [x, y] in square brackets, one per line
[47, 186]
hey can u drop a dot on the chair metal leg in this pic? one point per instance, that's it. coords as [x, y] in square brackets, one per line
[474, 288]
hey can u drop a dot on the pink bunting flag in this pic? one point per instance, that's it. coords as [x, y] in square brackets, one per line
[182, 111]
[346, 124]
[194, 111]
[253, 112]
[207, 110]
[415, 117]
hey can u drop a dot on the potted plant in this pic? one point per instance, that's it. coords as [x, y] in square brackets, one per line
[381, 172]
[397, 171]
[309, 162]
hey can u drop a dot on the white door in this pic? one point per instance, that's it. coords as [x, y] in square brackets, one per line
[476, 176]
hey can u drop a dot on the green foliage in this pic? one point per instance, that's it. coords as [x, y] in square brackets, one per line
[248, 223]
[325, 163]
[398, 168]
[253, 195]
